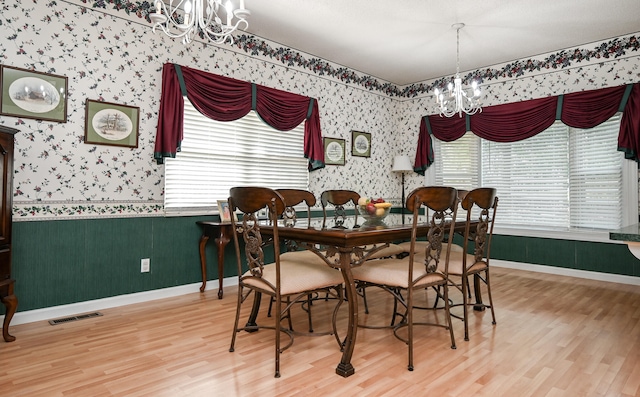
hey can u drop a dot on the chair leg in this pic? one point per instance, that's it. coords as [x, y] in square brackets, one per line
[309, 300]
[334, 318]
[493, 314]
[465, 304]
[270, 306]
[447, 309]
[277, 328]
[364, 299]
[410, 326]
[237, 320]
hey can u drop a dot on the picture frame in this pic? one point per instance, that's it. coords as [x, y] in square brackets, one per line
[360, 144]
[33, 95]
[225, 213]
[111, 124]
[333, 151]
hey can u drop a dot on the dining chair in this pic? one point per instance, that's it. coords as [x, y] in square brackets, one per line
[342, 200]
[408, 274]
[420, 245]
[288, 282]
[480, 205]
[293, 198]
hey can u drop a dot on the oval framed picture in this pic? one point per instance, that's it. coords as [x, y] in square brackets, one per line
[34, 95]
[109, 123]
[360, 144]
[333, 151]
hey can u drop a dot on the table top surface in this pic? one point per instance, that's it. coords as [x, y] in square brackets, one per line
[346, 235]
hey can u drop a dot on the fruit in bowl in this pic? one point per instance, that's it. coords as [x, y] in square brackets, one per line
[373, 209]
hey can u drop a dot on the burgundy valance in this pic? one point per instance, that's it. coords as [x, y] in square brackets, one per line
[516, 121]
[226, 99]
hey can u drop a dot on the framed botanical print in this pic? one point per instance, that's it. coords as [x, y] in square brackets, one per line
[111, 124]
[33, 95]
[360, 144]
[333, 151]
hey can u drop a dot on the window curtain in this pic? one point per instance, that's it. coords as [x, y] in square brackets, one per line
[516, 121]
[226, 99]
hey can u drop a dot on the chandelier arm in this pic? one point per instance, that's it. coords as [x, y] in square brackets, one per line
[203, 17]
[458, 99]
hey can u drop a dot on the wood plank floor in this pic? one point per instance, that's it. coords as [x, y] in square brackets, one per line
[556, 336]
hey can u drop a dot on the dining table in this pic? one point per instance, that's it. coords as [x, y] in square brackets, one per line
[345, 246]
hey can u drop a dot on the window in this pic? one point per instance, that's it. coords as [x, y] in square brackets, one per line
[216, 156]
[563, 178]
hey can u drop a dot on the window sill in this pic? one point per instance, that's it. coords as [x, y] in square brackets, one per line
[592, 235]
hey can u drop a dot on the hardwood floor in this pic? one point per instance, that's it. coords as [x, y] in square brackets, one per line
[556, 336]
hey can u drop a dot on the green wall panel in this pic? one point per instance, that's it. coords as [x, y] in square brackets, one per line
[581, 255]
[63, 262]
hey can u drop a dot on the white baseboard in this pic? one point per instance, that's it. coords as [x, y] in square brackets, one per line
[73, 309]
[48, 313]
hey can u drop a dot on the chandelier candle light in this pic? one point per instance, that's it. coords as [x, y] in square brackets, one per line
[187, 18]
[458, 99]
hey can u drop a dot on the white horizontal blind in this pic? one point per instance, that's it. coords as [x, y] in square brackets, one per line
[216, 156]
[460, 162]
[595, 191]
[531, 176]
[561, 178]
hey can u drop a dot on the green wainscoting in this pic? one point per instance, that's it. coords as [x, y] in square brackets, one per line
[581, 255]
[63, 262]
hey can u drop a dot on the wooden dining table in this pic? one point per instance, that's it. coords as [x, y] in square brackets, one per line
[343, 248]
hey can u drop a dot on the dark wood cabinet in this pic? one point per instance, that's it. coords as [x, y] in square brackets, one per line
[6, 196]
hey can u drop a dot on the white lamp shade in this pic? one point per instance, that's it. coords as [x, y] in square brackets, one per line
[401, 163]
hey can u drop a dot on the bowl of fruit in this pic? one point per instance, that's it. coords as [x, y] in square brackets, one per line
[373, 210]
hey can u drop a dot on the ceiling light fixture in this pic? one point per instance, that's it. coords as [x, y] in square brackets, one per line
[457, 99]
[188, 18]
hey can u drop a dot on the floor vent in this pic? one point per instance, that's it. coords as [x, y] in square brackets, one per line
[74, 318]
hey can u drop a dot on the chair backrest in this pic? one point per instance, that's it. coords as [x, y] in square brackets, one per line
[486, 200]
[441, 203]
[293, 197]
[339, 199]
[248, 201]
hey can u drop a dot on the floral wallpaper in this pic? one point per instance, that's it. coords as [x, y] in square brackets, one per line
[108, 52]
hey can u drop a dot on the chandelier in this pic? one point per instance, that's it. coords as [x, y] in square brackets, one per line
[457, 99]
[189, 17]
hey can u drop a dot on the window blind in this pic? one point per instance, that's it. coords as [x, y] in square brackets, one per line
[561, 178]
[216, 156]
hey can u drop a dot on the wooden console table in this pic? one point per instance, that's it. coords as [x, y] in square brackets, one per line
[221, 232]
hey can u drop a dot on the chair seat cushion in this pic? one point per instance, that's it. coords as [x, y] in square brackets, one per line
[455, 264]
[388, 252]
[303, 256]
[394, 273]
[422, 245]
[295, 277]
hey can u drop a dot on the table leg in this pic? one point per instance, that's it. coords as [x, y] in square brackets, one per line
[11, 303]
[203, 260]
[221, 241]
[251, 322]
[476, 290]
[345, 368]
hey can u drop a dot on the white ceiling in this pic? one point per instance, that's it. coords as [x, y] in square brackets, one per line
[409, 41]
